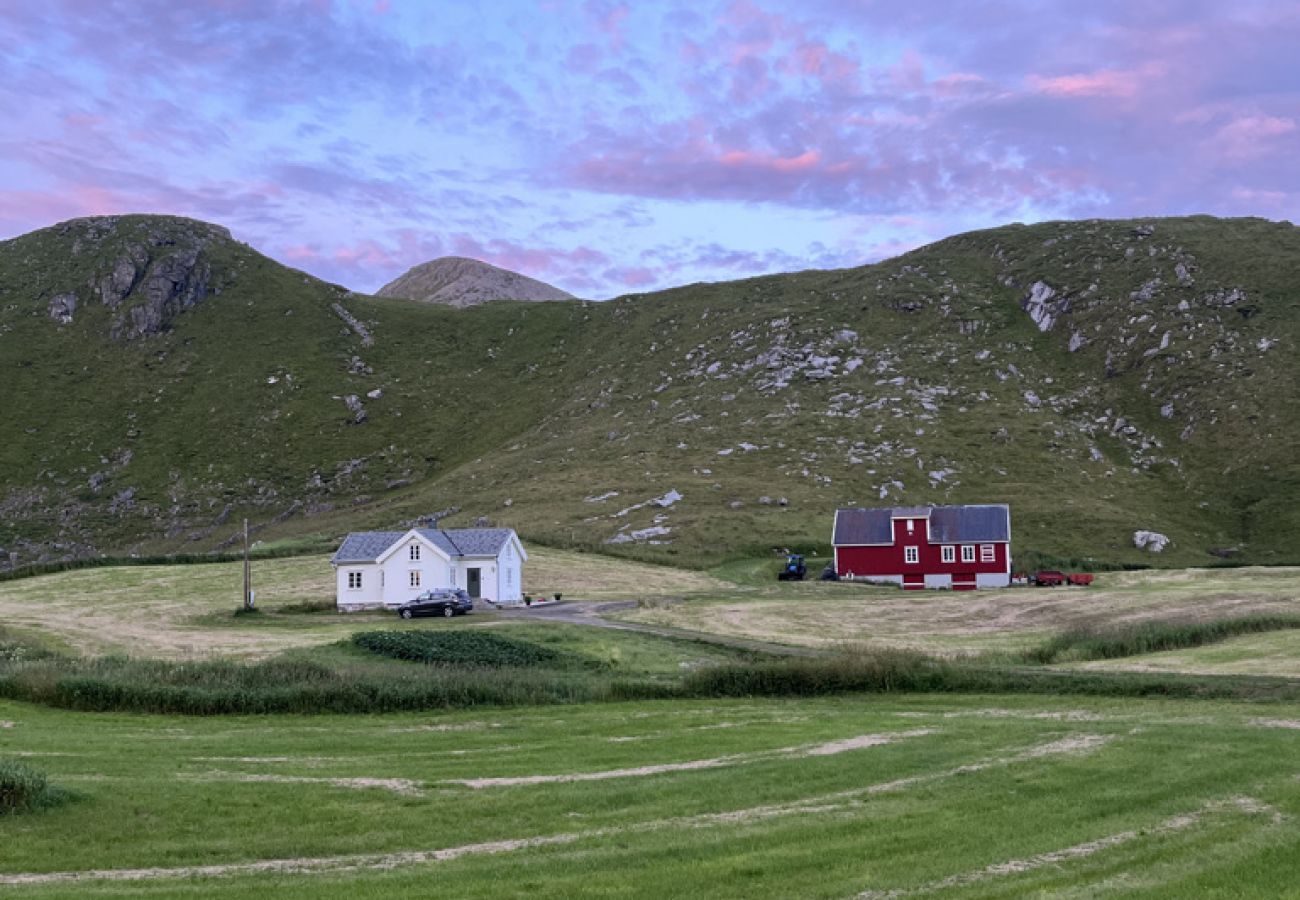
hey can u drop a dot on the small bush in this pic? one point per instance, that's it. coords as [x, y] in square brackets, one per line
[23, 789]
[460, 648]
[306, 607]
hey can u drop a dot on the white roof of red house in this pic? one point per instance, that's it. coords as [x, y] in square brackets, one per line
[989, 522]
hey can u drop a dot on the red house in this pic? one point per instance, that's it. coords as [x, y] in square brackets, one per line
[957, 547]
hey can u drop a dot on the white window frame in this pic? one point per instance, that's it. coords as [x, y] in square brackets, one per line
[967, 553]
[988, 553]
[415, 553]
[354, 581]
[415, 578]
[949, 553]
[911, 555]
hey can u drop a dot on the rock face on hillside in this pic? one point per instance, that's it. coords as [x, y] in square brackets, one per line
[460, 282]
[146, 270]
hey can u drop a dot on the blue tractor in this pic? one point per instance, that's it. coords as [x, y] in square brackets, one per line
[794, 569]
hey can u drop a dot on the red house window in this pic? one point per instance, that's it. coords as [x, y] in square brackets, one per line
[987, 553]
[912, 554]
[968, 553]
[949, 554]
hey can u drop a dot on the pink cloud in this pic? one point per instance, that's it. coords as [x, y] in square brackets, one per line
[1252, 136]
[1090, 84]
[805, 161]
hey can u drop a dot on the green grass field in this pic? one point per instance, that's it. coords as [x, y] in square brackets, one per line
[852, 796]
[537, 790]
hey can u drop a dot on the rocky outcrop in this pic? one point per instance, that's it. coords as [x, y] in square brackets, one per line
[1151, 541]
[61, 308]
[456, 281]
[170, 286]
[367, 339]
[356, 409]
[114, 286]
[1044, 305]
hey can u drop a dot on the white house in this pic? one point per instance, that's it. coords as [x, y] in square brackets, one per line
[378, 569]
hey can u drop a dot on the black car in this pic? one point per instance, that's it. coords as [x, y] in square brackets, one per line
[438, 602]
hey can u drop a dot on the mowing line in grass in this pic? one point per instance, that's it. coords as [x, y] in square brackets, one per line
[859, 742]
[1248, 806]
[404, 786]
[837, 802]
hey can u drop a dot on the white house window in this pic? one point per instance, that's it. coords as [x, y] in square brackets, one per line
[415, 553]
[949, 554]
[987, 553]
[968, 553]
[510, 577]
[415, 579]
[912, 554]
[354, 581]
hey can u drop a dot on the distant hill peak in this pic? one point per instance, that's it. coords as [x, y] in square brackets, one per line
[461, 282]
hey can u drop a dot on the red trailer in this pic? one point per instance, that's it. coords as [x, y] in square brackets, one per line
[1049, 578]
[1082, 579]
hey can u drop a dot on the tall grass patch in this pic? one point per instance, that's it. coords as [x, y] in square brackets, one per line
[464, 648]
[1115, 642]
[24, 789]
[855, 670]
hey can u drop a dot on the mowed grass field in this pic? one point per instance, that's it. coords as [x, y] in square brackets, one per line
[821, 614]
[186, 611]
[833, 797]
[183, 612]
[844, 795]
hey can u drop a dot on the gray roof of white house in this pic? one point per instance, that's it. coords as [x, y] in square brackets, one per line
[948, 524]
[368, 546]
[479, 541]
[365, 546]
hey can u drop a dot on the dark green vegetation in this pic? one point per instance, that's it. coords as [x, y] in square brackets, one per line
[279, 550]
[195, 381]
[24, 789]
[902, 671]
[416, 669]
[378, 671]
[803, 797]
[460, 648]
[1118, 641]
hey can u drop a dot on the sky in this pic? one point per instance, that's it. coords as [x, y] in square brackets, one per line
[615, 147]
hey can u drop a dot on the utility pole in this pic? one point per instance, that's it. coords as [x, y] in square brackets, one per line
[248, 575]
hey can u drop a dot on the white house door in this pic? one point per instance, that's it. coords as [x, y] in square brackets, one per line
[474, 583]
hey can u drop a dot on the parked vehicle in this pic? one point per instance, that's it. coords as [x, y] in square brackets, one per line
[438, 602]
[794, 570]
[1053, 578]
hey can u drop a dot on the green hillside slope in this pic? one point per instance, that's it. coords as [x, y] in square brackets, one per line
[1103, 377]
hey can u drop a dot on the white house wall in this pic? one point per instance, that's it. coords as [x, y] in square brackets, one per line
[369, 595]
[435, 572]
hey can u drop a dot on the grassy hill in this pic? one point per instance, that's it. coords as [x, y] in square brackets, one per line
[1101, 376]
